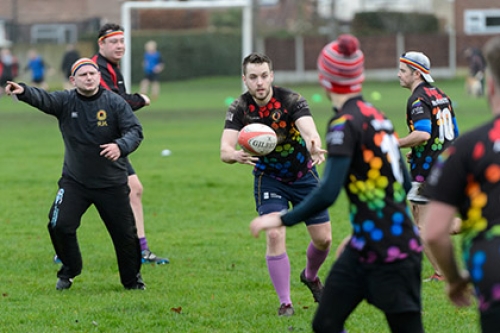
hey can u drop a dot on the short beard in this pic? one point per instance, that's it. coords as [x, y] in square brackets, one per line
[264, 98]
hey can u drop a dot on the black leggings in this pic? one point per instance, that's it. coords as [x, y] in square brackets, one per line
[490, 322]
[392, 288]
[407, 322]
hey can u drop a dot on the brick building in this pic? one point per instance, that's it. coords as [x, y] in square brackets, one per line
[27, 21]
[475, 22]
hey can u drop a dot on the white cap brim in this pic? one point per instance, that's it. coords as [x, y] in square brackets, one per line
[427, 77]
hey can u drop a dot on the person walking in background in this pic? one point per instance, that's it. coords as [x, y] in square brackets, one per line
[70, 56]
[9, 68]
[99, 130]
[111, 43]
[283, 177]
[465, 180]
[432, 127]
[152, 65]
[38, 67]
[475, 78]
[381, 262]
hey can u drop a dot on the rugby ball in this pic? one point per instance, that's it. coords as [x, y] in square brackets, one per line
[257, 139]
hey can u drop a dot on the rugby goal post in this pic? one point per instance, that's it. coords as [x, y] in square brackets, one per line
[246, 23]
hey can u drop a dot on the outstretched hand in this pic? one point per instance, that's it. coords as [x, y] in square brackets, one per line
[265, 222]
[317, 153]
[243, 157]
[146, 99]
[13, 88]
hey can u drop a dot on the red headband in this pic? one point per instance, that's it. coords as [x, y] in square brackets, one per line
[110, 33]
[80, 63]
[414, 64]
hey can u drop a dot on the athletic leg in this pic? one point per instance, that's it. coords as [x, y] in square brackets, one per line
[319, 229]
[155, 89]
[113, 205]
[64, 219]
[316, 254]
[278, 263]
[418, 213]
[271, 196]
[144, 86]
[318, 249]
[136, 190]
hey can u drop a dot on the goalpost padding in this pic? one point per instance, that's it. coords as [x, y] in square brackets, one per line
[127, 6]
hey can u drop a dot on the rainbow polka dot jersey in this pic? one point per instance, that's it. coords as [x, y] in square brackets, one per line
[466, 176]
[279, 113]
[383, 230]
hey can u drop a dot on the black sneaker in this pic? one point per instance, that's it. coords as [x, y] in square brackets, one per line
[63, 283]
[286, 310]
[316, 287]
[137, 286]
[149, 257]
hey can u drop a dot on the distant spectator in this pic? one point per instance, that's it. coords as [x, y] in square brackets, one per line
[152, 65]
[477, 65]
[70, 56]
[38, 68]
[9, 68]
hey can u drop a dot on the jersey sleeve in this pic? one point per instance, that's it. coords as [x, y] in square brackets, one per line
[50, 103]
[341, 137]
[110, 81]
[234, 118]
[134, 100]
[300, 108]
[419, 109]
[130, 128]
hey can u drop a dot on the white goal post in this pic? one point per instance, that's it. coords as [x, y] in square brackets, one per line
[127, 6]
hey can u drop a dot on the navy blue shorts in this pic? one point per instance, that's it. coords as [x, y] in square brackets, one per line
[271, 195]
[37, 80]
[153, 77]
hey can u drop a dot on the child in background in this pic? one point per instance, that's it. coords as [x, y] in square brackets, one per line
[37, 66]
[153, 65]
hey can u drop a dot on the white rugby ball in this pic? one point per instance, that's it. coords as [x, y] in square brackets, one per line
[257, 139]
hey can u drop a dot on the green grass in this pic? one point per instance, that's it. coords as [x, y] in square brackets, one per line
[197, 212]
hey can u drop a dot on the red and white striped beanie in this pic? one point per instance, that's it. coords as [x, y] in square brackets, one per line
[341, 65]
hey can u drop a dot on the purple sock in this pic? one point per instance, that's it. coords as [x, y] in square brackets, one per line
[279, 271]
[315, 258]
[144, 243]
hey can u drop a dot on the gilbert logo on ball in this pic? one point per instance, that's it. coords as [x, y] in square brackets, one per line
[257, 139]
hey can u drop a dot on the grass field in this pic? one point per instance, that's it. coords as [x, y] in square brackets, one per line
[197, 211]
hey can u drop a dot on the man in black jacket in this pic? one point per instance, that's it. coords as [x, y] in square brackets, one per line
[111, 43]
[99, 130]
